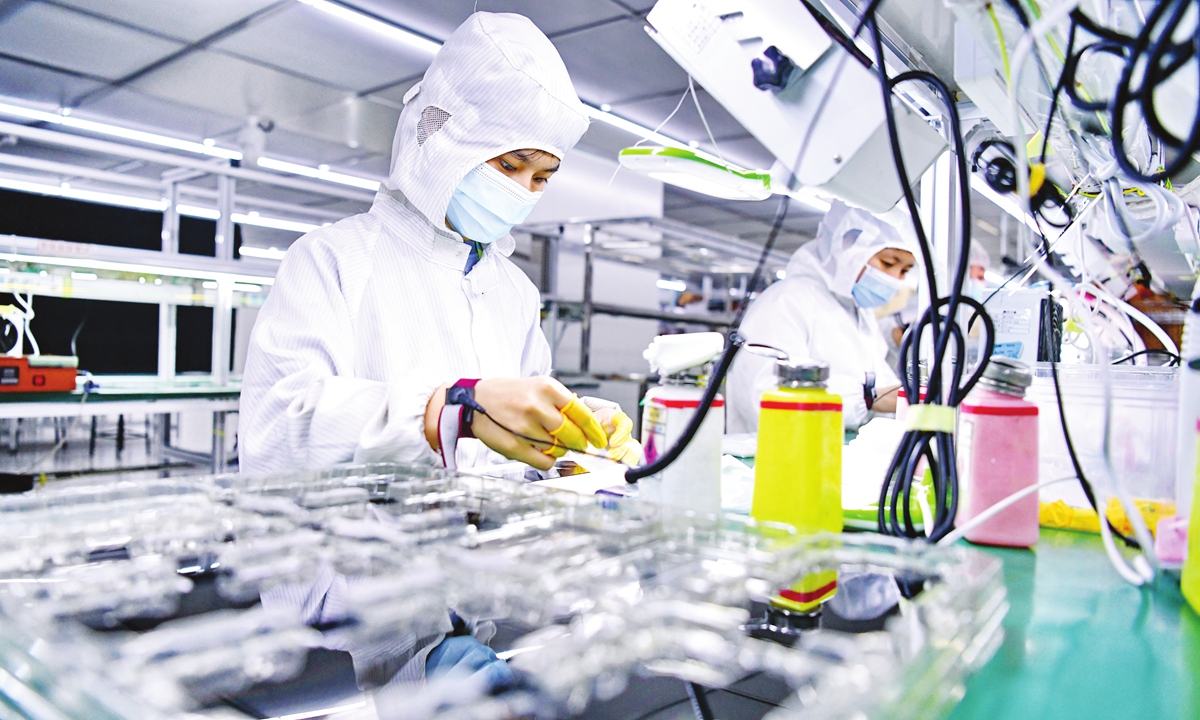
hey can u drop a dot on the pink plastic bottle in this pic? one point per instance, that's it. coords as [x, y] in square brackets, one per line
[998, 455]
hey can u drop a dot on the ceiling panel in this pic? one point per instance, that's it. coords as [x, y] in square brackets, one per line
[80, 43]
[439, 19]
[394, 94]
[33, 84]
[188, 20]
[131, 108]
[353, 122]
[225, 84]
[617, 61]
[310, 42]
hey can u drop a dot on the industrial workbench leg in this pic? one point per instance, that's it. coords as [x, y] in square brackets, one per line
[92, 438]
[218, 447]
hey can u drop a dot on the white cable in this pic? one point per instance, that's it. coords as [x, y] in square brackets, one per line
[26, 304]
[927, 516]
[994, 510]
[655, 132]
[700, 110]
[1110, 548]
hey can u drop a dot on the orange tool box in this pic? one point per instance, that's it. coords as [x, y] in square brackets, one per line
[38, 373]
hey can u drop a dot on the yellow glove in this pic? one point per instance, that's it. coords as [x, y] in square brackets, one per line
[620, 445]
[579, 429]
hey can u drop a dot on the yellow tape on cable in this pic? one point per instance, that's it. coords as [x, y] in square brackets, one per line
[931, 418]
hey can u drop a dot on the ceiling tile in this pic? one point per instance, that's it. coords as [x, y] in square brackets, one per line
[64, 38]
[604, 75]
[37, 85]
[439, 19]
[355, 123]
[310, 42]
[188, 20]
[131, 108]
[229, 85]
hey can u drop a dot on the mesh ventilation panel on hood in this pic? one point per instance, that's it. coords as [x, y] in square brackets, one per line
[432, 120]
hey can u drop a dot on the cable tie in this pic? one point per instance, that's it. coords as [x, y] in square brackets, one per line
[931, 418]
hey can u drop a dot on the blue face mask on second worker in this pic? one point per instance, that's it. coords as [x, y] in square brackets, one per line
[875, 288]
[488, 203]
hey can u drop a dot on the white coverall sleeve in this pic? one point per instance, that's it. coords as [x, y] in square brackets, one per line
[782, 325]
[301, 405]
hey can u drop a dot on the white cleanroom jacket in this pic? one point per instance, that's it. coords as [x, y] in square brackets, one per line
[811, 315]
[368, 316]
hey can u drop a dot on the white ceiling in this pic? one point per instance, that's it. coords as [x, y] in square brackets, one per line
[198, 68]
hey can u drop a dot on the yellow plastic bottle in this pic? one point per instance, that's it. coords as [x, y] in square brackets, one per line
[798, 467]
[1190, 581]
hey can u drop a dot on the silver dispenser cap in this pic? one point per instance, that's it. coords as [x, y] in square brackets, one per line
[802, 374]
[1006, 375]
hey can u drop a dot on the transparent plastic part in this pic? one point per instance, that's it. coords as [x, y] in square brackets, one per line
[97, 616]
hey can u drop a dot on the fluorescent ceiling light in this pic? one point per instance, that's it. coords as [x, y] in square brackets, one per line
[123, 267]
[85, 195]
[675, 285]
[116, 131]
[1004, 202]
[320, 173]
[198, 212]
[809, 197]
[209, 285]
[276, 223]
[268, 253]
[83, 276]
[247, 288]
[366, 21]
[780, 274]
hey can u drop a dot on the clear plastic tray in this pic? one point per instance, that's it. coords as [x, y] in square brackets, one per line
[374, 555]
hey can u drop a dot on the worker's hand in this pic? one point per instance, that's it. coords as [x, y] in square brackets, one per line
[467, 657]
[618, 427]
[551, 417]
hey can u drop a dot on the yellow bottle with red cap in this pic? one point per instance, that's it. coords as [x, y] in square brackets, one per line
[798, 467]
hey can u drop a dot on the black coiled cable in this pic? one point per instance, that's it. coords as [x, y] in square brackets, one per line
[936, 448]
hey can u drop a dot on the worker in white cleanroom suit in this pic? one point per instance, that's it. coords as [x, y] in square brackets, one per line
[824, 310]
[371, 319]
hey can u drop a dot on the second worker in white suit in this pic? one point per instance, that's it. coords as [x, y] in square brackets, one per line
[823, 310]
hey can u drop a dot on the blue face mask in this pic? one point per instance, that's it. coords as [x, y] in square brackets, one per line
[487, 204]
[875, 288]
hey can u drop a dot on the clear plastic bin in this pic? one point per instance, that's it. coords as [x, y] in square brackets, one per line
[1145, 405]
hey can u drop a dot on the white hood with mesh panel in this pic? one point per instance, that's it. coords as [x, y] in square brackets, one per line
[497, 85]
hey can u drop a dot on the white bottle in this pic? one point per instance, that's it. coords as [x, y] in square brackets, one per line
[1189, 409]
[693, 481]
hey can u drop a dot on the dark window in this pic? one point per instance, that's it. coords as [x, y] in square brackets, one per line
[114, 337]
[193, 339]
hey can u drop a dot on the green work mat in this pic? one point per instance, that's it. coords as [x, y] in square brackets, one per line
[1082, 643]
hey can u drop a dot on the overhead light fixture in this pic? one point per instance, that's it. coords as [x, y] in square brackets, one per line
[266, 253]
[83, 276]
[363, 20]
[137, 268]
[275, 223]
[198, 212]
[674, 285]
[321, 172]
[209, 285]
[66, 191]
[247, 288]
[65, 119]
[687, 169]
